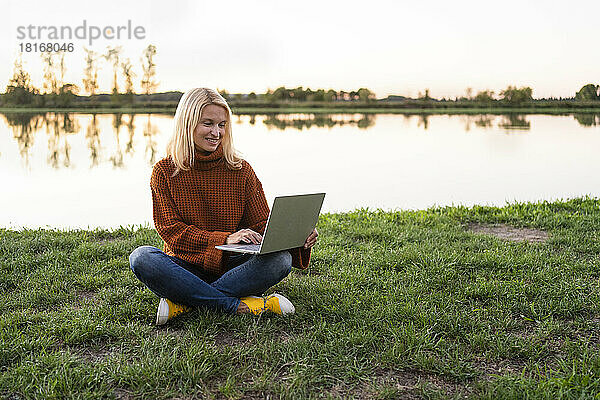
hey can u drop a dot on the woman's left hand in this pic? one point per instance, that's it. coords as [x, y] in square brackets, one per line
[311, 239]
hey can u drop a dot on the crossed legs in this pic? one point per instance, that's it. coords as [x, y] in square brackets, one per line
[171, 278]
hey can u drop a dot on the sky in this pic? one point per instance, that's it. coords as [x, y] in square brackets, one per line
[390, 47]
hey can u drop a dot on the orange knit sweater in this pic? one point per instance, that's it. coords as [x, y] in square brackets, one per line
[196, 210]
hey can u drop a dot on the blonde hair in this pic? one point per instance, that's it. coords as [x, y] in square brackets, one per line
[189, 110]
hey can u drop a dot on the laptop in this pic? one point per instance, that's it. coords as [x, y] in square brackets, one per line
[291, 220]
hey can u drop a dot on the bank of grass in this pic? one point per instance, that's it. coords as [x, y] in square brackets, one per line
[395, 305]
[293, 109]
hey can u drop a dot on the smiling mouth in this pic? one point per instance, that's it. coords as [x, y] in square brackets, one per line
[213, 141]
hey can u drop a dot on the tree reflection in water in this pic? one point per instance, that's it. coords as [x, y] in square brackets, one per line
[423, 121]
[482, 121]
[92, 135]
[23, 126]
[515, 122]
[587, 119]
[62, 127]
[59, 127]
[131, 132]
[507, 122]
[306, 121]
[150, 133]
[117, 157]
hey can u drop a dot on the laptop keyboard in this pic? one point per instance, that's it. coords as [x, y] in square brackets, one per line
[253, 247]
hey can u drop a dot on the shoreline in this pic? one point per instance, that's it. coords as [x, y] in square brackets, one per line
[148, 225]
[318, 110]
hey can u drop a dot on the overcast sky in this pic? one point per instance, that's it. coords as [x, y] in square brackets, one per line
[391, 47]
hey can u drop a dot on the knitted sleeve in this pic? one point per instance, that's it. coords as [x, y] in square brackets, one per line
[256, 213]
[191, 243]
[256, 209]
[300, 257]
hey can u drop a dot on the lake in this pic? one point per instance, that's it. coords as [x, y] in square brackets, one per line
[79, 170]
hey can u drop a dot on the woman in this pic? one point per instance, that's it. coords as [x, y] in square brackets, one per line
[205, 195]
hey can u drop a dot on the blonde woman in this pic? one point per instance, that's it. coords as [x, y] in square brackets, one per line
[205, 195]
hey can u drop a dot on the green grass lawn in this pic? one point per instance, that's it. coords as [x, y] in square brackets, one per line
[409, 304]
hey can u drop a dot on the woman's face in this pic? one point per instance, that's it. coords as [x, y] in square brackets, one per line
[211, 128]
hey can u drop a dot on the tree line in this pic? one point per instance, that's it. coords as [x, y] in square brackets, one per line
[299, 94]
[511, 94]
[55, 91]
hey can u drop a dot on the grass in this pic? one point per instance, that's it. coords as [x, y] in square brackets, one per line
[406, 304]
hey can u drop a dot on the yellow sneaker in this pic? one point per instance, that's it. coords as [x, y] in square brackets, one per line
[167, 310]
[275, 303]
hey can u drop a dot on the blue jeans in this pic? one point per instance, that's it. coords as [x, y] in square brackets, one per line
[185, 283]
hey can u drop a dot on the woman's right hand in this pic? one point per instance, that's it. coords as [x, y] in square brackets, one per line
[244, 236]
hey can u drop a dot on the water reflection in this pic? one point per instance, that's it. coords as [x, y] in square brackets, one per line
[23, 125]
[150, 133]
[306, 121]
[60, 126]
[423, 120]
[92, 136]
[515, 122]
[587, 119]
[483, 121]
[117, 157]
[118, 132]
[507, 122]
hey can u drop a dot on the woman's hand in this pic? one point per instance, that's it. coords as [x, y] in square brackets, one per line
[311, 239]
[244, 236]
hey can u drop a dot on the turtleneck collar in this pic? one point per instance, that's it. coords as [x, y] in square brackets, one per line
[208, 161]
